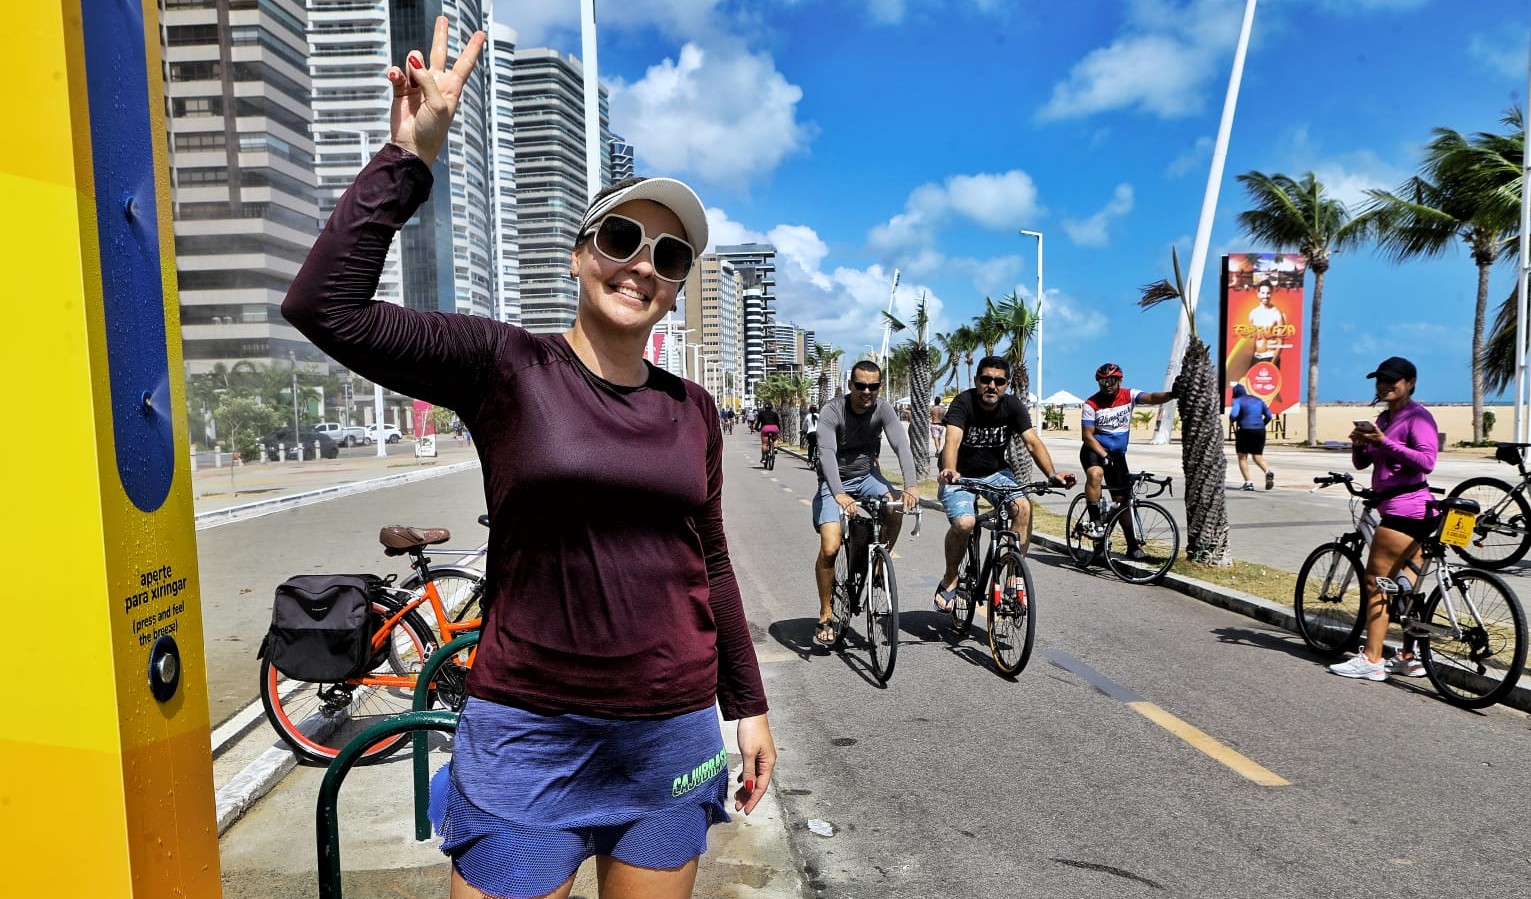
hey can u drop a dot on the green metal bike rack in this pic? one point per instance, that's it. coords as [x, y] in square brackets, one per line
[327, 823]
[422, 748]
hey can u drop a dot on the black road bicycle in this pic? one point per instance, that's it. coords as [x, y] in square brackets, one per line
[1137, 539]
[1468, 629]
[1001, 579]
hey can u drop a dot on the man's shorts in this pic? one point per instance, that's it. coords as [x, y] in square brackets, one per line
[959, 502]
[825, 509]
[1249, 441]
[1114, 463]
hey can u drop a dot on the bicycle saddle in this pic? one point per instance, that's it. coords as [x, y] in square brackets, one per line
[398, 539]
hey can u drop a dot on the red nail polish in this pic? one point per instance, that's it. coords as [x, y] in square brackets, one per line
[415, 62]
[749, 786]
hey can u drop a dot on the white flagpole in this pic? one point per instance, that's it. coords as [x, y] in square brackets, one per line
[592, 101]
[1524, 282]
[1204, 227]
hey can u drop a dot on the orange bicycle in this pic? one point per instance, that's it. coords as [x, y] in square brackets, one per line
[317, 719]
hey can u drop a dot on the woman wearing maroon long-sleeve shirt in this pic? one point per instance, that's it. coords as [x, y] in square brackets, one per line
[615, 622]
[1400, 449]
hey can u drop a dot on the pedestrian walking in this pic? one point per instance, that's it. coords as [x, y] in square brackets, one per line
[1250, 415]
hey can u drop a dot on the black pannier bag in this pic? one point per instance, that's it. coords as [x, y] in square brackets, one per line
[322, 626]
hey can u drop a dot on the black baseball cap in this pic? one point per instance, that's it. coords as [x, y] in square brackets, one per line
[1395, 368]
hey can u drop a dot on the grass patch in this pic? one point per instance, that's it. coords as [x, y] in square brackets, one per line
[1259, 580]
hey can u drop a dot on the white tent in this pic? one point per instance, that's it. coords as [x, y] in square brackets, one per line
[1063, 398]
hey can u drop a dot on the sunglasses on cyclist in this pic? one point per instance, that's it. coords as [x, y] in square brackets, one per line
[990, 379]
[869, 388]
[619, 239]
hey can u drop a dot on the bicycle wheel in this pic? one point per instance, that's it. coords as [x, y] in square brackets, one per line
[1143, 556]
[460, 588]
[317, 720]
[1081, 545]
[1328, 600]
[882, 614]
[1012, 613]
[840, 591]
[968, 585]
[1480, 666]
[1502, 533]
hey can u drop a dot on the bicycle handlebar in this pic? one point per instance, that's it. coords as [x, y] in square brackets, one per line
[1163, 483]
[990, 491]
[1349, 480]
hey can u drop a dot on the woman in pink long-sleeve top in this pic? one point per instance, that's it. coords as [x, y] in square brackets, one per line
[1400, 449]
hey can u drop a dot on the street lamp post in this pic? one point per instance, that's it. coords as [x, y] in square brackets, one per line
[1038, 236]
[292, 358]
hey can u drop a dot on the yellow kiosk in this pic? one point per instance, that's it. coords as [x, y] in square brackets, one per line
[105, 769]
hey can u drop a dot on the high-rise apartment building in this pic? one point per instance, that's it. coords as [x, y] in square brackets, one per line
[622, 162]
[242, 174]
[551, 188]
[753, 337]
[755, 265]
[712, 319]
[500, 56]
[348, 50]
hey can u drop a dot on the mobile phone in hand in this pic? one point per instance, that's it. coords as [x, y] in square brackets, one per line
[1364, 424]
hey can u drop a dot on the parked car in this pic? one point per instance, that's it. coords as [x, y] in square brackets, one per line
[389, 431]
[344, 435]
[328, 448]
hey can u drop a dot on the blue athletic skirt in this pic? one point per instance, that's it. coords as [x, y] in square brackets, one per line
[528, 797]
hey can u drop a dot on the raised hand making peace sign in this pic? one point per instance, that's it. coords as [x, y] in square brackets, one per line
[425, 97]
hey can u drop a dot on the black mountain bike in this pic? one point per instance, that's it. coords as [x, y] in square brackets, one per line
[1001, 579]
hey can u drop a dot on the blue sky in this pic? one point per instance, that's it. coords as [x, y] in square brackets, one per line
[861, 136]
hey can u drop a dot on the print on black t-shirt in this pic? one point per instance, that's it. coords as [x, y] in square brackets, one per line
[985, 434]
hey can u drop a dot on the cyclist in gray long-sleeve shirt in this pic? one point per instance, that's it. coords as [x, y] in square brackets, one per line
[850, 432]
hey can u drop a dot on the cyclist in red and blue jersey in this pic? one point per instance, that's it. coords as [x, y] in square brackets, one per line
[1106, 425]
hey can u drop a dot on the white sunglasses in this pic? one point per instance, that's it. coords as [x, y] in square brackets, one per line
[620, 238]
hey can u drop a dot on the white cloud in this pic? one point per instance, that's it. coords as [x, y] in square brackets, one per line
[1003, 201]
[541, 24]
[723, 114]
[1094, 231]
[1161, 65]
[1503, 53]
[1191, 159]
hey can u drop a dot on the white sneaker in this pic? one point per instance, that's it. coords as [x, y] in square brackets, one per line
[1360, 666]
[1402, 667]
[1094, 531]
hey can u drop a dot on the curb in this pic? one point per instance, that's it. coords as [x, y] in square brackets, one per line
[245, 511]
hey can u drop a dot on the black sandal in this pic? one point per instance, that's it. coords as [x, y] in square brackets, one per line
[826, 632]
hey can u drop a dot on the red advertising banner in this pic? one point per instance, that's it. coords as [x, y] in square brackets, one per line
[655, 350]
[1261, 344]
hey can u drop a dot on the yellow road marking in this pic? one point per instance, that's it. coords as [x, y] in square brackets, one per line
[1240, 764]
[805, 502]
[788, 489]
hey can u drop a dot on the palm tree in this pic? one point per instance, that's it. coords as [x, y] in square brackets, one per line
[920, 369]
[1017, 322]
[1299, 215]
[965, 339]
[1463, 192]
[1201, 444]
[821, 360]
[1502, 161]
[988, 330]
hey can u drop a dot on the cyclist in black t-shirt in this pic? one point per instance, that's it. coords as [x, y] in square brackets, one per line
[979, 425]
